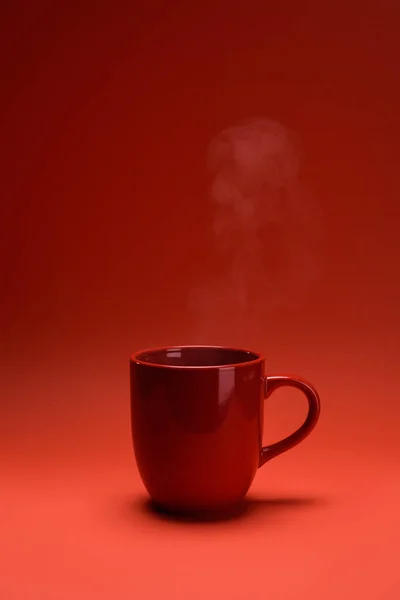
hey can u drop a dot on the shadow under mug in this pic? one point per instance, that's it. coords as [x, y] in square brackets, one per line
[197, 424]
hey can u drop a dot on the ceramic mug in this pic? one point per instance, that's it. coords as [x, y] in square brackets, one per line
[197, 423]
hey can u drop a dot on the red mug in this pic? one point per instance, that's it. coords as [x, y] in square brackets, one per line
[197, 424]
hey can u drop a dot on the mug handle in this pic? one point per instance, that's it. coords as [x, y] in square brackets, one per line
[272, 383]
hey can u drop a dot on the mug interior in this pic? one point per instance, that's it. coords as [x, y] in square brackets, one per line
[196, 356]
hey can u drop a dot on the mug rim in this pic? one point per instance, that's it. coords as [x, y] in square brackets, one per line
[135, 357]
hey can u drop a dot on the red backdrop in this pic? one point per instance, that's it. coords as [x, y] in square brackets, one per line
[106, 114]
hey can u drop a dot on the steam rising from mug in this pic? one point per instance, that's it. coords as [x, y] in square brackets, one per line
[265, 226]
[249, 157]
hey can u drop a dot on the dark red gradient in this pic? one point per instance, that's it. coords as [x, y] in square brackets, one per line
[106, 114]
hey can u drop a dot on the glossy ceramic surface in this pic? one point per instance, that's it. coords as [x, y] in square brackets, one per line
[197, 415]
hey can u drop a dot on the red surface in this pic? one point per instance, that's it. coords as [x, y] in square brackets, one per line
[106, 237]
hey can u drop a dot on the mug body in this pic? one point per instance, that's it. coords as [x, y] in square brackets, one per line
[196, 414]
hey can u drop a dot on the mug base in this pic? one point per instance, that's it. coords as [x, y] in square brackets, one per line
[200, 513]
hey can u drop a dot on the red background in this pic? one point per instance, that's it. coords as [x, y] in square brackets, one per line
[106, 113]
